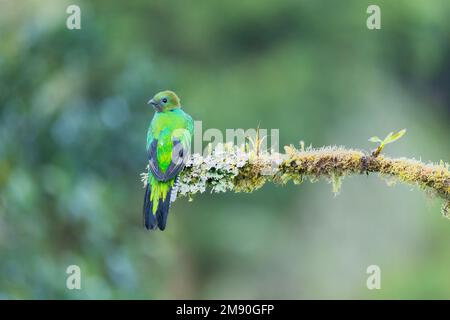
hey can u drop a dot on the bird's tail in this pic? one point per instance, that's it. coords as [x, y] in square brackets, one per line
[163, 210]
[149, 218]
[156, 216]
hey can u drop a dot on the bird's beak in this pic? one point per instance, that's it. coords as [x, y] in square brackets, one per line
[154, 104]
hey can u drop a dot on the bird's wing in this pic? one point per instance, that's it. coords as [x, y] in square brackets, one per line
[180, 141]
[179, 156]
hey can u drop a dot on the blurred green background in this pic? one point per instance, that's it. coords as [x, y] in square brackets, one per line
[73, 121]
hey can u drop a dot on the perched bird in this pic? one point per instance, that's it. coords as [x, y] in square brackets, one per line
[168, 146]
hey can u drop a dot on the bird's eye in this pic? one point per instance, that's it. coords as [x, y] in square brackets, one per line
[164, 100]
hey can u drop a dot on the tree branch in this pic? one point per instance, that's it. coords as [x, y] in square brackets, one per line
[238, 169]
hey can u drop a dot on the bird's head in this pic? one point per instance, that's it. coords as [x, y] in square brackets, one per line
[165, 101]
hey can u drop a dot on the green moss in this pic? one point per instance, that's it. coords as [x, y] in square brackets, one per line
[249, 178]
[336, 181]
[446, 209]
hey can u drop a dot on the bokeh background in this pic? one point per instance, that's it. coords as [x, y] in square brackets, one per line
[73, 121]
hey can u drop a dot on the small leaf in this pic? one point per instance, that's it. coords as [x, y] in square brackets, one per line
[394, 137]
[389, 135]
[375, 139]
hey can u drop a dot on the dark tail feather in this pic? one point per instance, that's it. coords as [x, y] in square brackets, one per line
[149, 218]
[163, 211]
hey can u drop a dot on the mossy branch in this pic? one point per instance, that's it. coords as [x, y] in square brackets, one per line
[240, 169]
[335, 163]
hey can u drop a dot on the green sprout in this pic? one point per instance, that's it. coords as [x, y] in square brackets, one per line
[391, 137]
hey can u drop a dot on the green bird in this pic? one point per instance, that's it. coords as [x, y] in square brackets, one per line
[168, 147]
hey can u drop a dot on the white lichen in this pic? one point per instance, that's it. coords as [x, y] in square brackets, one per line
[218, 170]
